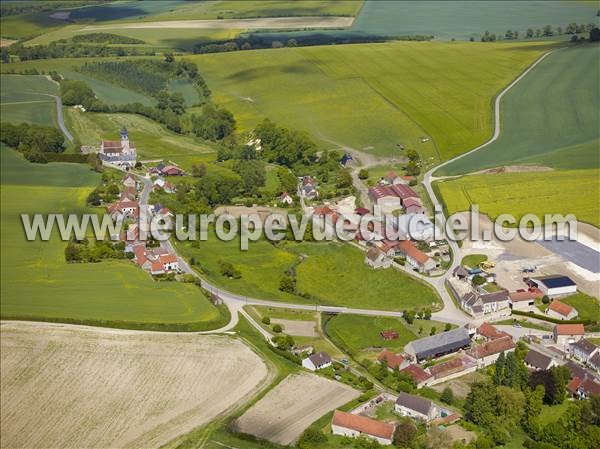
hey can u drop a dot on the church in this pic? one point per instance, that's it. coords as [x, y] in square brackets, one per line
[119, 152]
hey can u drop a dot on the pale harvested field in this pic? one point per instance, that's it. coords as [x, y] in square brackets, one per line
[293, 405]
[235, 24]
[70, 386]
[297, 328]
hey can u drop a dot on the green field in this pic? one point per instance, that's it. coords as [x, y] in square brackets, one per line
[152, 140]
[37, 283]
[336, 273]
[587, 306]
[540, 193]
[372, 96]
[25, 98]
[360, 333]
[326, 265]
[105, 91]
[473, 260]
[549, 118]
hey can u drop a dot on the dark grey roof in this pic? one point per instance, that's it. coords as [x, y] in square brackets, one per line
[320, 359]
[555, 281]
[537, 360]
[416, 403]
[595, 361]
[460, 271]
[584, 345]
[477, 308]
[440, 343]
[489, 298]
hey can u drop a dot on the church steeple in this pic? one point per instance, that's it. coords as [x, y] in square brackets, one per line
[124, 135]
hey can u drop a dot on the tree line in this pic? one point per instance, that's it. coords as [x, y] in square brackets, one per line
[33, 141]
[546, 31]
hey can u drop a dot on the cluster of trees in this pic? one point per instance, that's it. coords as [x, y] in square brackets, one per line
[546, 31]
[515, 398]
[66, 49]
[33, 140]
[283, 146]
[410, 315]
[213, 124]
[83, 251]
[105, 38]
[218, 188]
[413, 168]
[78, 92]
[228, 270]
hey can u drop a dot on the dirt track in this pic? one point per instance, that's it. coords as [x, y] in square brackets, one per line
[70, 387]
[236, 24]
[293, 405]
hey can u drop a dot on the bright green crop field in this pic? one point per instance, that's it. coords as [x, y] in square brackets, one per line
[25, 98]
[540, 193]
[37, 283]
[551, 117]
[373, 96]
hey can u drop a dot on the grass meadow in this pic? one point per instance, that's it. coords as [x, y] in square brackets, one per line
[25, 98]
[331, 273]
[373, 96]
[38, 284]
[587, 306]
[548, 192]
[549, 118]
[152, 140]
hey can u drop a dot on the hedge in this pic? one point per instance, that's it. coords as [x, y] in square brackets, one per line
[550, 319]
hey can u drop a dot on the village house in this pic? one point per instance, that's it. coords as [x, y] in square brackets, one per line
[488, 352]
[415, 407]
[415, 257]
[478, 304]
[124, 209]
[120, 152]
[554, 286]
[386, 198]
[353, 426]
[129, 180]
[594, 361]
[392, 360]
[561, 311]
[583, 350]
[489, 332]
[286, 198]
[565, 334]
[419, 376]
[537, 361]
[439, 344]
[317, 361]
[413, 206]
[392, 178]
[156, 261]
[376, 258]
[523, 300]
[583, 388]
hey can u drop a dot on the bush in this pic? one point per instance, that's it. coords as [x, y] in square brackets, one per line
[266, 320]
[447, 396]
[545, 299]
[311, 437]
[277, 328]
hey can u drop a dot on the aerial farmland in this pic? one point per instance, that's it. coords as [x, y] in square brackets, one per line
[309, 224]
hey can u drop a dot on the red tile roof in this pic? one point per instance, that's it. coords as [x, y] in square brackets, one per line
[417, 373]
[393, 360]
[560, 307]
[408, 248]
[452, 366]
[489, 331]
[408, 202]
[403, 191]
[167, 258]
[382, 191]
[363, 424]
[493, 347]
[522, 296]
[569, 329]
[362, 211]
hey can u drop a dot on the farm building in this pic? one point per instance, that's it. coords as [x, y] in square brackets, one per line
[121, 152]
[416, 407]
[317, 361]
[561, 311]
[392, 178]
[538, 361]
[353, 426]
[455, 367]
[584, 350]
[415, 257]
[521, 300]
[568, 333]
[393, 361]
[489, 332]
[487, 353]
[480, 304]
[376, 258]
[555, 286]
[419, 376]
[440, 344]
[415, 227]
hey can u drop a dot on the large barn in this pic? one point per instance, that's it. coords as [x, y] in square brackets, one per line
[440, 344]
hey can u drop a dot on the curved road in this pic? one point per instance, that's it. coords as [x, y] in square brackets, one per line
[450, 313]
